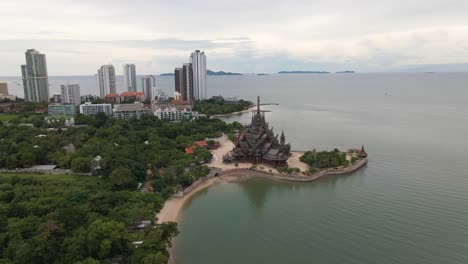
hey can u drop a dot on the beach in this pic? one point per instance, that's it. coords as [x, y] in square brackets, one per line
[174, 205]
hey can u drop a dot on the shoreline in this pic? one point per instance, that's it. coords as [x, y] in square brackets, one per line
[172, 208]
[250, 109]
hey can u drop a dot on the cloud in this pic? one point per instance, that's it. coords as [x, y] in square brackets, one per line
[243, 36]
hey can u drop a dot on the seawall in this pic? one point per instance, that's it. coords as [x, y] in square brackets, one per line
[298, 177]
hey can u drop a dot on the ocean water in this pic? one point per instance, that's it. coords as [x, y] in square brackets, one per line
[408, 205]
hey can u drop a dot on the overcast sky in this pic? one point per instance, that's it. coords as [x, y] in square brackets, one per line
[243, 36]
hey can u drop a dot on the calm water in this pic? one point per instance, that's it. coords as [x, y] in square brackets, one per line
[409, 205]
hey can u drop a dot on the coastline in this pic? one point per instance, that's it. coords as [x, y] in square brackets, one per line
[173, 206]
[250, 109]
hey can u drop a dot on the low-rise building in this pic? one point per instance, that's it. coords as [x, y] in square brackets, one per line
[92, 109]
[137, 96]
[4, 92]
[88, 98]
[57, 98]
[61, 110]
[128, 111]
[174, 114]
[4, 88]
[171, 114]
[218, 98]
[231, 100]
[113, 98]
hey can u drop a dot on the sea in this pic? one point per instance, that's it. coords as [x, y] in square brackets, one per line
[408, 205]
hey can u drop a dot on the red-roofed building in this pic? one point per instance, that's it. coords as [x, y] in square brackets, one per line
[202, 144]
[113, 98]
[138, 96]
[197, 144]
[190, 150]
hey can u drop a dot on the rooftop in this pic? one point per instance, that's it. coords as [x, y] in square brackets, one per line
[129, 107]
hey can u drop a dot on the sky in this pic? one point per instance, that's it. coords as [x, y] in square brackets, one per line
[239, 36]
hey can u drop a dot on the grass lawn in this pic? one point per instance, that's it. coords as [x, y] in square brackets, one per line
[7, 117]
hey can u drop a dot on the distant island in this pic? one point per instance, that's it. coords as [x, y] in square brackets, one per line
[295, 72]
[345, 72]
[209, 72]
[261, 74]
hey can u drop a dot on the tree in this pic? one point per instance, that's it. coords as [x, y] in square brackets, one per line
[80, 164]
[101, 119]
[105, 238]
[203, 154]
[157, 258]
[88, 261]
[121, 178]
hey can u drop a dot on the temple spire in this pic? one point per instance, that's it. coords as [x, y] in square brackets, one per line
[258, 104]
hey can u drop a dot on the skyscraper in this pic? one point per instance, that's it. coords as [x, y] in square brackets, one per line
[187, 82]
[106, 80]
[70, 94]
[148, 84]
[130, 82]
[198, 60]
[178, 79]
[35, 80]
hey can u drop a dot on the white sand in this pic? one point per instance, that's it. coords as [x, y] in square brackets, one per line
[294, 161]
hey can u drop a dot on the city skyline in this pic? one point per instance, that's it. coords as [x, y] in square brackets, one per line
[305, 35]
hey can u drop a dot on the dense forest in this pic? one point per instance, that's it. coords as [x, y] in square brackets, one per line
[213, 107]
[77, 219]
[67, 219]
[324, 159]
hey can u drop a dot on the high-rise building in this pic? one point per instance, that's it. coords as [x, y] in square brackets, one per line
[148, 84]
[187, 83]
[70, 94]
[3, 88]
[130, 82]
[35, 80]
[178, 79]
[198, 61]
[107, 80]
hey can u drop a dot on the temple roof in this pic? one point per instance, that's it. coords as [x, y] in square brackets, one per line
[259, 140]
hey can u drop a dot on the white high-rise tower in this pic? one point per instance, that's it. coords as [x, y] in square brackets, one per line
[130, 82]
[106, 80]
[198, 61]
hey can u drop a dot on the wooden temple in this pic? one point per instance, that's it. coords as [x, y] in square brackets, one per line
[258, 143]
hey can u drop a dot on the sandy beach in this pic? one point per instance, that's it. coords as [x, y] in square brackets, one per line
[173, 206]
